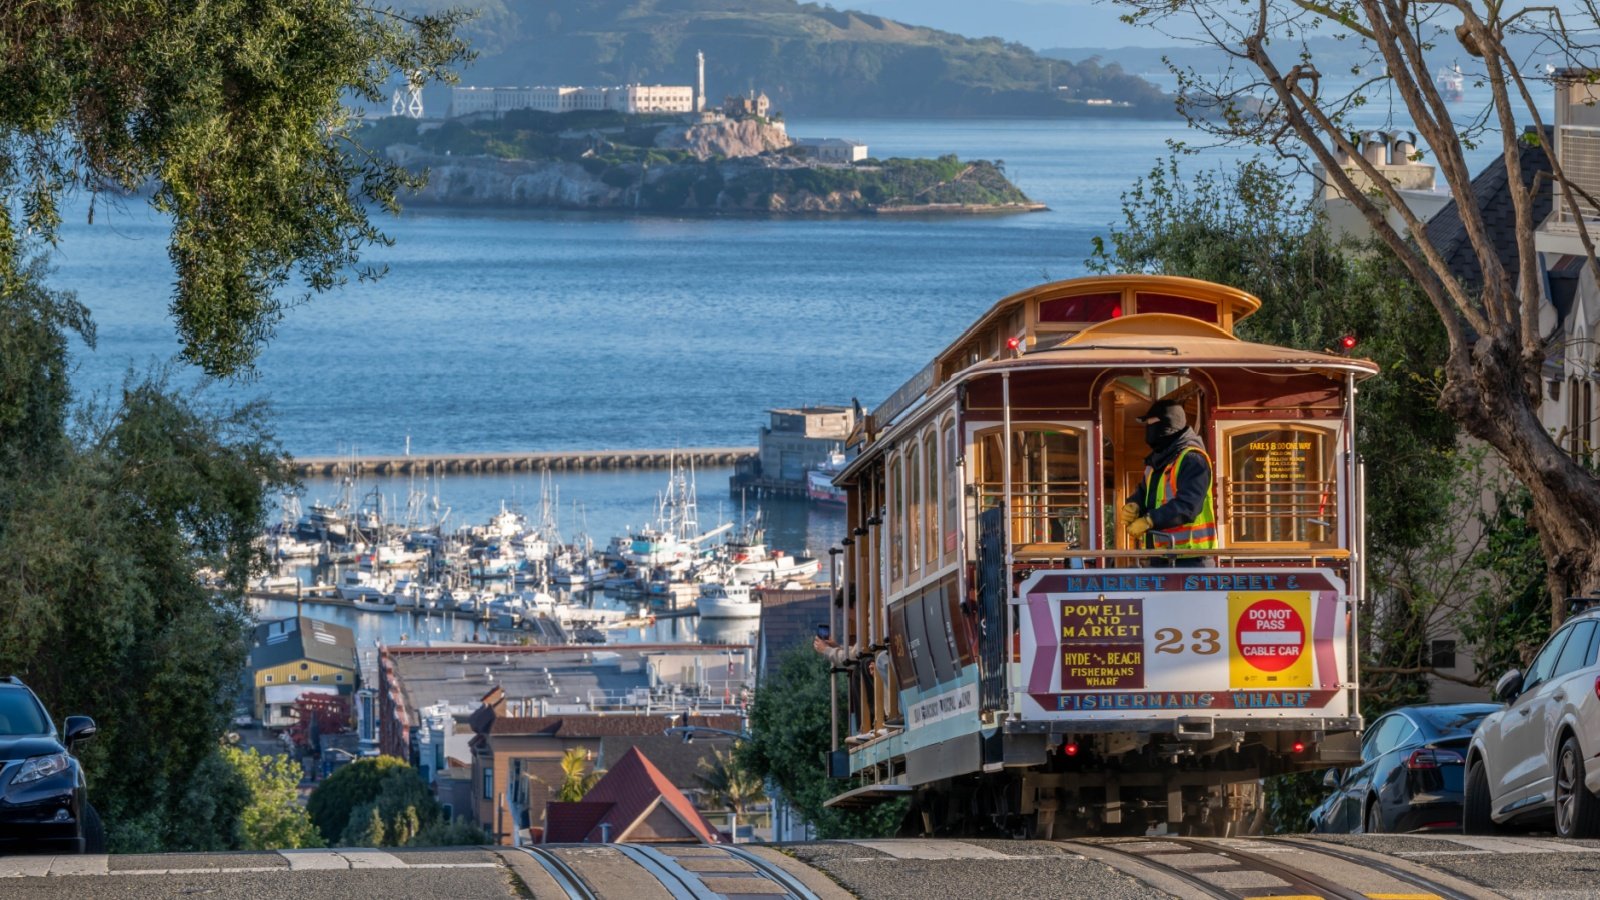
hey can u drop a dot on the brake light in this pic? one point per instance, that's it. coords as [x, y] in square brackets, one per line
[1433, 758]
[1071, 748]
[1597, 687]
[1299, 747]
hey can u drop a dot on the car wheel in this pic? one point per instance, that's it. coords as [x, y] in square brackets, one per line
[1374, 823]
[1577, 810]
[1475, 818]
[94, 831]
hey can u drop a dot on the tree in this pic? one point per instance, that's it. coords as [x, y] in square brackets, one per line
[730, 781]
[789, 721]
[383, 802]
[274, 818]
[1272, 94]
[577, 779]
[231, 114]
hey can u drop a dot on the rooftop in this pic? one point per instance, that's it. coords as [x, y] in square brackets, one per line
[297, 637]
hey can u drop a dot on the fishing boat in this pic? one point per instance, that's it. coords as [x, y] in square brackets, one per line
[727, 601]
[819, 481]
[361, 587]
[777, 568]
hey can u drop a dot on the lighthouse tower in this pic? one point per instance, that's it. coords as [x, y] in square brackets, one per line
[700, 85]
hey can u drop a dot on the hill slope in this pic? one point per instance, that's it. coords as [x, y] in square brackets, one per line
[809, 59]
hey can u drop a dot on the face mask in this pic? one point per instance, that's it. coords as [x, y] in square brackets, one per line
[1155, 434]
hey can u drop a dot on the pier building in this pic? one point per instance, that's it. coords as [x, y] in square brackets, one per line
[295, 656]
[793, 442]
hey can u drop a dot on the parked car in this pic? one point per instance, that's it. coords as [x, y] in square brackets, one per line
[43, 802]
[1535, 761]
[1411, 772]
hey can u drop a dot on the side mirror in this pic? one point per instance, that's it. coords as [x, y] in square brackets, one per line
[1509, 686]
[1330, 778]
[79, 728]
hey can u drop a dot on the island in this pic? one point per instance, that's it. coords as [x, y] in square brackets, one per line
[695, 164]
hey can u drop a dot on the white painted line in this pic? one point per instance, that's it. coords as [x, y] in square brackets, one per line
[915, 849]
[305, 860]
[87, 864]
[372, 859]
[1513, 845]
[1422, 853]
[25, 866]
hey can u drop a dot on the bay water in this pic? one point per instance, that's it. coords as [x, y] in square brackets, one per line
[523, 331]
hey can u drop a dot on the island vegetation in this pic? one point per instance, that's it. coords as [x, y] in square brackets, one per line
[811, 58]
[607, 160]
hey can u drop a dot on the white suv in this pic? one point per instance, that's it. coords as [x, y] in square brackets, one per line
[1541, 754]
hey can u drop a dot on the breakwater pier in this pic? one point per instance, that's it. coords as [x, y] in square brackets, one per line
[558, 460]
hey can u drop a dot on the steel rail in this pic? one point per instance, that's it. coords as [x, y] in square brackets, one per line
[565, 877]
[1393, 871]
[681, 884]
[796, 888]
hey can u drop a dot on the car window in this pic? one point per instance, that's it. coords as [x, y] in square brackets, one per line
[21, 714]
[1539, 670]
[1576, 654]
[1384, 736]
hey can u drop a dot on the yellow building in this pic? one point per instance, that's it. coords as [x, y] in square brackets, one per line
[295, 656]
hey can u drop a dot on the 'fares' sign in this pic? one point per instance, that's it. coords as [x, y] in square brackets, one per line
[1102, 644]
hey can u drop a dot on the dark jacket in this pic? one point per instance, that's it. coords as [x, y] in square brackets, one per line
[1194, 480]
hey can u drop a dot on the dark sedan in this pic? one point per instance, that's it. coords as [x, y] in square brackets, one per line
[1411, 773]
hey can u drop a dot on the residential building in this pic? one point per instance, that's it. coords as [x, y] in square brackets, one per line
[632, 802]
[295, 656]
[1394, 156]
[837, 150]
[499, 719]
[750, 105]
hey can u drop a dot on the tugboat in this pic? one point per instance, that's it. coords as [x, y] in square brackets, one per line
[819, 481]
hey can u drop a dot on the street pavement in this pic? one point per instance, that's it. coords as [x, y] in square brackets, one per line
[1375, 867]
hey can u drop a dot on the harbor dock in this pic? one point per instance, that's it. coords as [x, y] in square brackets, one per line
[419, 464]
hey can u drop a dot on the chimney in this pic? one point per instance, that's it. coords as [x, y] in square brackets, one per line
[700, 84]
[1375, 147]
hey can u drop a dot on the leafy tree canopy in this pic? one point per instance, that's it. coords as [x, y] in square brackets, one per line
[789, 721]
[230, 113]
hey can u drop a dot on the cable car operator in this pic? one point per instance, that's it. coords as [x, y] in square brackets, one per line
[1173, 509]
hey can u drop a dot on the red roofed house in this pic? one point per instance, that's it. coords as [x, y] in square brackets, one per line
[633, 802]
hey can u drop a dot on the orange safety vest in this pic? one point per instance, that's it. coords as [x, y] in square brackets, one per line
[1200, 534]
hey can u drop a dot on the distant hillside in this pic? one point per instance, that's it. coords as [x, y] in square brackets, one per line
[811, 60]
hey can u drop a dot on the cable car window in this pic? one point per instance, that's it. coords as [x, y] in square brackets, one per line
[952, 488]
[917, 645]
[913, 529]
[930, 507]
[897, 521]
[899, 647]
[941, 645]
[960, 623]
[1085, 308]
[1049, 492]
[1282, 486]
[1204, 310]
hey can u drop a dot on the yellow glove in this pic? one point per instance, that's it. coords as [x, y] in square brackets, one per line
[1127, 514]
[1139, 526]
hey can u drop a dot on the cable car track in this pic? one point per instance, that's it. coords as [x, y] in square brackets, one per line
[664, 865]
[1245, 875]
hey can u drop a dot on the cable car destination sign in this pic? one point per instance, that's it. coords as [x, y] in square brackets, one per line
[1260, 641]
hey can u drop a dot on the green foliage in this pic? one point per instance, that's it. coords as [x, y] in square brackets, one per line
[274, 818]
[103, 528]
[1509, 615]
[730, 781]
[231, 113]
[382, 802]
[577, 778]
[789, 722]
